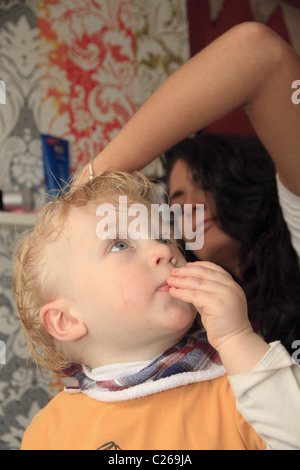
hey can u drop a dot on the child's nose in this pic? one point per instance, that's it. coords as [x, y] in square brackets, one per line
[161, 253]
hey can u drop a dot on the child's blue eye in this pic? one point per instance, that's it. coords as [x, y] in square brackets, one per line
[119, 246]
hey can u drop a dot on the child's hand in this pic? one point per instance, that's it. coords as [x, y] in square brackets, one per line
[219, 300]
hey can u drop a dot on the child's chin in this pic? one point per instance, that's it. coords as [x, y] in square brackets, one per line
[183, 316]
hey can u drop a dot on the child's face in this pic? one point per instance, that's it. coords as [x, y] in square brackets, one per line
[115, 285]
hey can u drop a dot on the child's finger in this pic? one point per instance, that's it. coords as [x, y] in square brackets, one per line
[201, 272]
[208, 265]
[195, 283]
[193, 296]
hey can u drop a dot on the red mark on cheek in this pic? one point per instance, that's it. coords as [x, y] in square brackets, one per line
[124, 297]
[132, 294]
[128, 295]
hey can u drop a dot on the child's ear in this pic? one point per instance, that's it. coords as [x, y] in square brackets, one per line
[60, 324]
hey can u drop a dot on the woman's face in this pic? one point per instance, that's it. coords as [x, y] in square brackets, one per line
[218, 247]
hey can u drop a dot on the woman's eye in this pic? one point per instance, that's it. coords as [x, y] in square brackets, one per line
[165, 241]
[119, 246]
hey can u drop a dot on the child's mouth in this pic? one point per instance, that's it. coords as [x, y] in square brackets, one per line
[164, 287]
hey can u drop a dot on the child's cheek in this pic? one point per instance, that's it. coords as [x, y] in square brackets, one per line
[132, 293]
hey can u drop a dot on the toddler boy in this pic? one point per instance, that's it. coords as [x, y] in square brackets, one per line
[118, 313]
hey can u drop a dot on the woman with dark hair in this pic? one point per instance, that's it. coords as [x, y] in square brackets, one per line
[245, 232]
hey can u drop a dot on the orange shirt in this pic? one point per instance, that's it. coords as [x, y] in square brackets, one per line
[196, 416]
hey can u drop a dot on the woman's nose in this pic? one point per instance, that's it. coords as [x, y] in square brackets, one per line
[195, 197]
[193, 204]
[193, 212]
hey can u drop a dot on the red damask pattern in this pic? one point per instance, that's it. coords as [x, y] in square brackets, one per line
[88, 71]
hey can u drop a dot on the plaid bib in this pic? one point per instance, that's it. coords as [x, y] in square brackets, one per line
[192, 354]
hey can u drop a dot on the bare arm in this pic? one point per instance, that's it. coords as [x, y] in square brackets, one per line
[248, 66]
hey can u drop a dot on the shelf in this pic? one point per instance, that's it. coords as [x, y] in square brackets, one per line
[14, 218]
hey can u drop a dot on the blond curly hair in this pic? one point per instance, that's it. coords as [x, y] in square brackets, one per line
[33, 281]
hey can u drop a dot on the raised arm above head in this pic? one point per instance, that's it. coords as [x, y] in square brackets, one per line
[248, 66]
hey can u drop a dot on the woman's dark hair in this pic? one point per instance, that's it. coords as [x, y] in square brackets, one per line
[240, 175]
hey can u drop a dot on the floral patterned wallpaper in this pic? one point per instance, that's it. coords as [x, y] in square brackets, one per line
[87, 71]
[20, 154]
[77, 70]
[162, 45]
